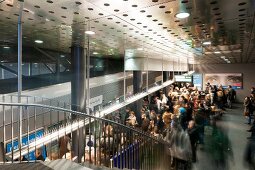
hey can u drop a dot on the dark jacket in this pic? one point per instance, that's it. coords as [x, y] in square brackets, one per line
[249, 156]
[145, 124]
[40, 157]
[193, 135]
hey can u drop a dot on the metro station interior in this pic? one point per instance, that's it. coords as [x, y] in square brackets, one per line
[127, 84]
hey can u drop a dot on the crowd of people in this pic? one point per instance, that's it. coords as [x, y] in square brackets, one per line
[249, 108]
[182, 116]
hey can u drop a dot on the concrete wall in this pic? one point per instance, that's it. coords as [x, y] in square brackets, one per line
[248, 71]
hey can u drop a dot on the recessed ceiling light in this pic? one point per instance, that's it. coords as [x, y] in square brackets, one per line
[217, 52]
[182, 15]
[222, 57]
[38, 41]
[90, 32]
[6, 47]
[95, 53]
[207, 43]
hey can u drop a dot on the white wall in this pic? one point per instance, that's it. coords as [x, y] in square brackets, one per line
[140, 63]
[248, 71]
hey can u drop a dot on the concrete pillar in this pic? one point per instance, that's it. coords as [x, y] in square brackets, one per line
[78, 95]
[57, 68]
[137, 88]
[165, 76]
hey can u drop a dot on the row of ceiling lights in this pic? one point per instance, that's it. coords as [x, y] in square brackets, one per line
[180, 15]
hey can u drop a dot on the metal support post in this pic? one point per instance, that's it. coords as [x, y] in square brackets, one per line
[20, 77]
[147, 75]
[162, 71]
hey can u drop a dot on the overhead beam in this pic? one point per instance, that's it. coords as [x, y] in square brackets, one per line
[49, 68]
[52, 58]
[46, 54]
[8, 69]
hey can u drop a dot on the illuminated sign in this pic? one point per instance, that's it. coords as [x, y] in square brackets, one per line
[198, 81]
[182, 78]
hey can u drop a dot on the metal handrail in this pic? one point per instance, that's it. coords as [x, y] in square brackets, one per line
[126, 148]
[39, 97]
[84, 114]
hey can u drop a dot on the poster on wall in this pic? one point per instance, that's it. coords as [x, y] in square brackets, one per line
[198, 81]
[225, 79]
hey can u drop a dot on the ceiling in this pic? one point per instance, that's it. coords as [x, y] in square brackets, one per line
[147, 27]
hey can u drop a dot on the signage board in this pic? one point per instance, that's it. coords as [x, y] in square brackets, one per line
[182, 78]
[198, 81]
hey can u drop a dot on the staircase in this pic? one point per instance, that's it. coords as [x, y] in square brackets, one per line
[77, 141]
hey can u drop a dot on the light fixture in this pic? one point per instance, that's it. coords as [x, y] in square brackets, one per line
[90, 32]
[216, 52]
[38, 41]
[7, 47]
[95, 53]
[182, 15]
[62, 56]
[207, 43]
[222, 57]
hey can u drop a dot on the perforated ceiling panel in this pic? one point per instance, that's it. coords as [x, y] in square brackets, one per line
[147, 25]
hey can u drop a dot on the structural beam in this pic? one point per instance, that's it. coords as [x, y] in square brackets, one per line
[49, 68]
[46, 54]
[8, 69]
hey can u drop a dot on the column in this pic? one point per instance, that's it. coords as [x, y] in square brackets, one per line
[165, 76]
[137, 88]
[57, 68]
[78, 95]
[30, 66]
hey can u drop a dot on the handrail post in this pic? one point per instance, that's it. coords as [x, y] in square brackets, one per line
[111, 163]
[2, 152]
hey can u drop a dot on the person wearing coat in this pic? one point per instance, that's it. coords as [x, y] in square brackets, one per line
[247, 109]
[194, 137]
[179, 145]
